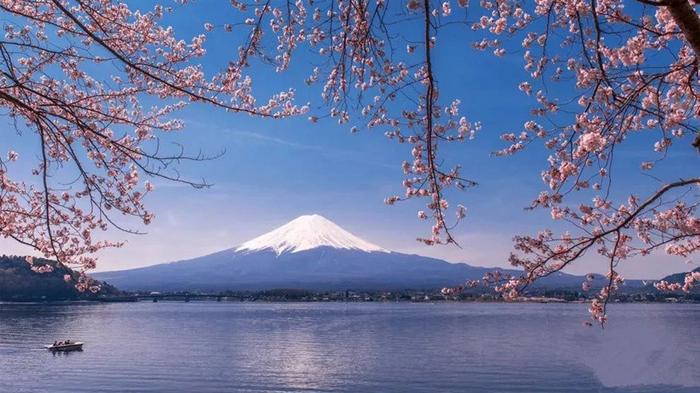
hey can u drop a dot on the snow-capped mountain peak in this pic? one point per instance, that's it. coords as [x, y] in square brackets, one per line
[305, 233]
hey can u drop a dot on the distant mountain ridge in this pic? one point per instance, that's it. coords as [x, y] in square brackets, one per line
[310, 252]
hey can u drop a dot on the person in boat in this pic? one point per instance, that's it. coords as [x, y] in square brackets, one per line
[55, 343]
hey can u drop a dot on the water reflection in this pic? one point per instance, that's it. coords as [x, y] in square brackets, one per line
[65, 353]
[213, 347]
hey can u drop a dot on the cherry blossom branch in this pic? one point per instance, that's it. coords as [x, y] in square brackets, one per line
[144, 71]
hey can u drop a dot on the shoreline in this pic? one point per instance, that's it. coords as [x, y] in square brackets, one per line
[179, 299]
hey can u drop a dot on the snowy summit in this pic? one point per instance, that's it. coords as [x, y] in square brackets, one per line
[306, 233]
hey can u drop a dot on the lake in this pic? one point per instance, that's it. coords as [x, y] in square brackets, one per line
[349, 347]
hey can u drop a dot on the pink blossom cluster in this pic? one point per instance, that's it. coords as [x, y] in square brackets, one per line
[618, 95]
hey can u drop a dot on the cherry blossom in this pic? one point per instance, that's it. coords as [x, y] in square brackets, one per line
[100, 128]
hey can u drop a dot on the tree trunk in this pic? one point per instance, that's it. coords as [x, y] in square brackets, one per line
[687, 19]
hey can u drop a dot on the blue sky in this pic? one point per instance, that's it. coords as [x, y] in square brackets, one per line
[274, 171]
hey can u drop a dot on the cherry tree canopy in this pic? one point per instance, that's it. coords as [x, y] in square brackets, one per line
[630, 68]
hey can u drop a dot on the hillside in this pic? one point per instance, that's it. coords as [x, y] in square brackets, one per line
[19, 282]
[680, 278]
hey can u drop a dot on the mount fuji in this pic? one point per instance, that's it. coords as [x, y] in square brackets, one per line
[309, 252]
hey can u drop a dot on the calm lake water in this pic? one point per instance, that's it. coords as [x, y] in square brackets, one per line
[335, 347]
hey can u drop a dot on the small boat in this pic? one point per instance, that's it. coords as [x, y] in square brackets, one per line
[65, 346]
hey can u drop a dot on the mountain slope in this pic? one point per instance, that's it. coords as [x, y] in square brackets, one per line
[321, 268]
